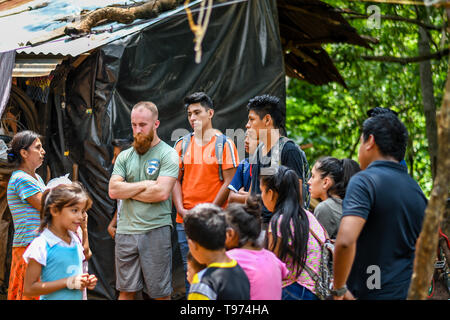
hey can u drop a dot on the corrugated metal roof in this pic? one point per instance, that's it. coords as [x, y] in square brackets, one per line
[27, 27]
[34, 67]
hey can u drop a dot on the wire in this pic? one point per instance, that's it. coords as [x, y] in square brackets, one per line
[446, 238]
[405, 2]
[431, 290]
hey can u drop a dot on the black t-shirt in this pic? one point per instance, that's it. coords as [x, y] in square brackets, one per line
[220, 281]
[393, 206]
[290, 157]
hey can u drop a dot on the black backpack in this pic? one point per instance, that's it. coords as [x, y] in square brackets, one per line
[306, 174]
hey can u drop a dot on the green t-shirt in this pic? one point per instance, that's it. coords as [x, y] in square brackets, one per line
[138, 217]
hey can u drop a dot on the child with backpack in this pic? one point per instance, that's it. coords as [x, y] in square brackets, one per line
[293, 234]
[55, 258]
[264, 270]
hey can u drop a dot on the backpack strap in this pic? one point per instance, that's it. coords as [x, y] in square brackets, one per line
[312, 274]
[305, 168]
[317, 237]
[221, 139]
[310, 271]
[185, 141]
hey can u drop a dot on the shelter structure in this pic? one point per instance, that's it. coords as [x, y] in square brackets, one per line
[78, 91]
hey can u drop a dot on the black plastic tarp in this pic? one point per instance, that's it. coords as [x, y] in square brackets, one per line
[242, 57]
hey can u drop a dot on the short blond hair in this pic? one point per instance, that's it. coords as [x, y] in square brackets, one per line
[147, 105]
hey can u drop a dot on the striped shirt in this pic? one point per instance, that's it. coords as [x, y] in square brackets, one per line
[26, 218]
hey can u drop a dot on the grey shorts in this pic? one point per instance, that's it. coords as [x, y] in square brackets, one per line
[145, 260]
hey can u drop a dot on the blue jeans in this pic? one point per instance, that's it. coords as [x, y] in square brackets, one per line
[296, 291]
[184, 248]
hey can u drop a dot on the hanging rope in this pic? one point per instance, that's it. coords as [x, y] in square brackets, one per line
[199, 28]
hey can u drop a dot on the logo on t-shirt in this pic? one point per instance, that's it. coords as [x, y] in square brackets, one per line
[152, 166]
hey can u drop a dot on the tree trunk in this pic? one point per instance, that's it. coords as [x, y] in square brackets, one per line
[436, 209]
[429, 105]
[147, 10]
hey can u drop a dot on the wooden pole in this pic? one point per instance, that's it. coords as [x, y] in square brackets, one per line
[75, 172]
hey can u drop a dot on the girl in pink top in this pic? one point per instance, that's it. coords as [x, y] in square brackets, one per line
[264, 270]
[288, 232]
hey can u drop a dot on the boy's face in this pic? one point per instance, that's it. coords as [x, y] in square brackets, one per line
[365, 151]
[195, 250]
[255, 123]
[190, 273]
[250, 142]
[199, 117]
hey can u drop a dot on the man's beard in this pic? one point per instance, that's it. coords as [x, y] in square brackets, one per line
[143, 142]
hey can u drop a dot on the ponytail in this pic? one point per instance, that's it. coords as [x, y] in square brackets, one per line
[340, 171]
[22, 140]
[245, 220]
[294, 226]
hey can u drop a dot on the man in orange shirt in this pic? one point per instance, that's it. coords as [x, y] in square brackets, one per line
[208, 161]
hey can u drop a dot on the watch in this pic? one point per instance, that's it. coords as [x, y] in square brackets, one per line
[339, 292]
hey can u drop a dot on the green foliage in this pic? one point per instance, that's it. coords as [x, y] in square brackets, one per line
[330, 116]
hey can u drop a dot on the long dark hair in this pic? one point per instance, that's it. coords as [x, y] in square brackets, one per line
[59, 197]
[340, 172]
[22, 140]
[294, 224]
[245, 219]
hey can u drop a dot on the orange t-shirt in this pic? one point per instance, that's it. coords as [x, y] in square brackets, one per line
[201, 181]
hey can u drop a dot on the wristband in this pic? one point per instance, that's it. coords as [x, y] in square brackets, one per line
[74, 282]
[339, 292]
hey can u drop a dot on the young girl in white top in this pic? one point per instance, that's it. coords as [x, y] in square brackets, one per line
[55, 258]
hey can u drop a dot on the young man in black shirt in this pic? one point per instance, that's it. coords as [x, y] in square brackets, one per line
[265, 118]
[383, 211]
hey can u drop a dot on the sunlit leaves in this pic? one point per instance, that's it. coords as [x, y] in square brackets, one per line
[329, 117]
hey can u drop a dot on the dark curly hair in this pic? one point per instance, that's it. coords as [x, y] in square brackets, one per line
[206, 225]
[379, 110]
[267, 104]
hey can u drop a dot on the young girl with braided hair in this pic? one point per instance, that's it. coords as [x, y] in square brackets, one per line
[55, 269]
